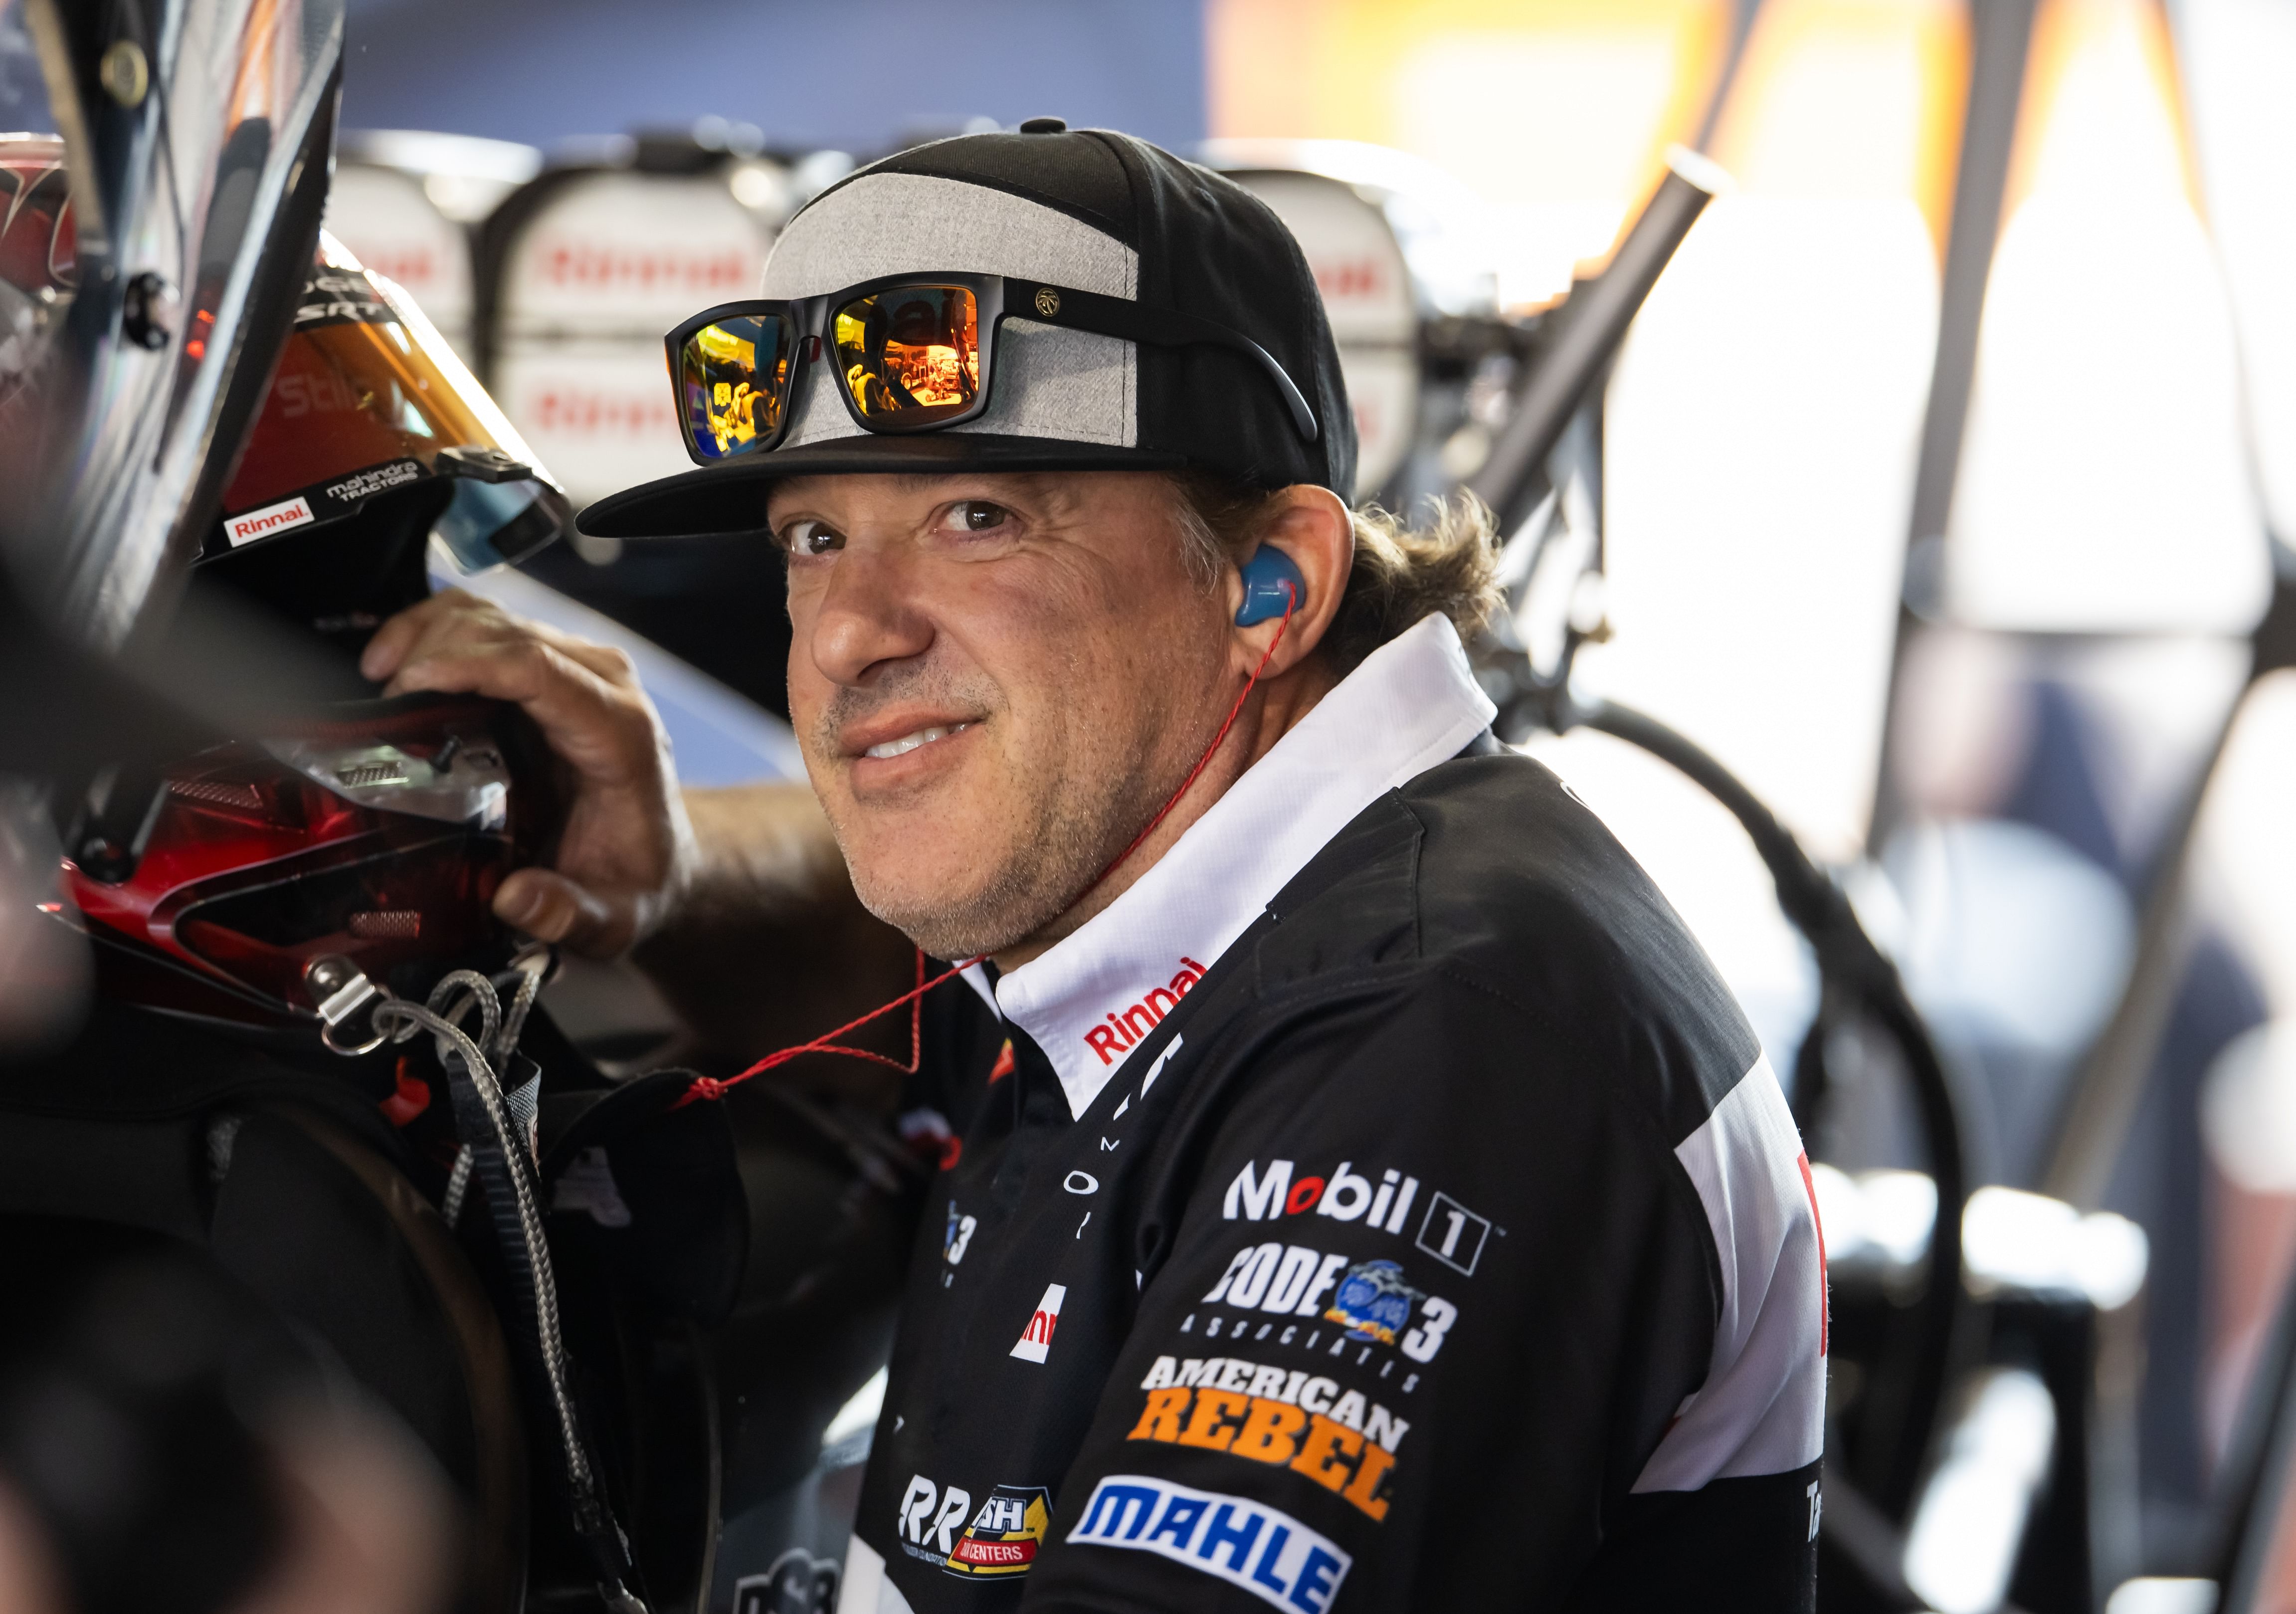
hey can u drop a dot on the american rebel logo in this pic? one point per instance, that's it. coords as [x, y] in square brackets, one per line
[1295, 1419]
[1126, 1027]
[1447, 1230]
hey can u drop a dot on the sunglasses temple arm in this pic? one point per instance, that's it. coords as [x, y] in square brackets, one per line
[1165, 328]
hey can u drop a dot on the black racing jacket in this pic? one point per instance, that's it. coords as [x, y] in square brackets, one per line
[1443, 1241]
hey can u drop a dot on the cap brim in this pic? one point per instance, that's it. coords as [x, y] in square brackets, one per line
[731, 497]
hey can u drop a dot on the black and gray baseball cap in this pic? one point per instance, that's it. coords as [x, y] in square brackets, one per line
[1089, 210]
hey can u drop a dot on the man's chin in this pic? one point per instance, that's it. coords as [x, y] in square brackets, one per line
[956, 917]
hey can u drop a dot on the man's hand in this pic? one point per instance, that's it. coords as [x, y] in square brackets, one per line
[627, 850]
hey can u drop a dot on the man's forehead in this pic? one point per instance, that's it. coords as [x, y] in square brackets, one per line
[1054, 491]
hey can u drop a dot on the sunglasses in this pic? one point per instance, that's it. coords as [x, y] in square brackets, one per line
[914, 352]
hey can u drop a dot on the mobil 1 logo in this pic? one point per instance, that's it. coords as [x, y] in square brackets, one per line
[1454, 1235]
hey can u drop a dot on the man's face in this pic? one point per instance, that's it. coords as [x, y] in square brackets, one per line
[997, 681]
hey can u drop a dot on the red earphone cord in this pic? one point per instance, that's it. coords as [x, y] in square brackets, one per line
[706, 1087]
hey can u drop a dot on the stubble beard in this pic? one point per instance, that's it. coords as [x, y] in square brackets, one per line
[1064, 832]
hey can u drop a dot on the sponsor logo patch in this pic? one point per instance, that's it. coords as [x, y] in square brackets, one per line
[1454, 1235]
[1345, 1194]
[1247, 1544]
[1006, 1535]
[272, 518]
[1037, 1339]
[1373, 1302]
[1286, 1419]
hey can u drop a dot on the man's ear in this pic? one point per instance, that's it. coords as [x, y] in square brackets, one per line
[1312, 527]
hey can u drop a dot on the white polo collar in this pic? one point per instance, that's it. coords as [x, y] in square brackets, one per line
[1090, 999]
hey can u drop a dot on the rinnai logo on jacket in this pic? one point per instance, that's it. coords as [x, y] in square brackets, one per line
[1036, 1339]
[1126, 1027]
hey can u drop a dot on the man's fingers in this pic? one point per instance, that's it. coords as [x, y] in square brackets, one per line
[550, 907]
[386, 651]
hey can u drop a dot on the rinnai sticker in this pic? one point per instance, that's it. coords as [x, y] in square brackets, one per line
[1292, 1419]
[1004, 1537]
[1036, 1339]
[1128, 1025]
[1247, 1544]
[272, 518]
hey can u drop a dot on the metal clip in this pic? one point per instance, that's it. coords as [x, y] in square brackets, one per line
[340, 989]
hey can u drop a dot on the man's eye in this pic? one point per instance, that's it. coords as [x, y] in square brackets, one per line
[811, 538]
[974, 515]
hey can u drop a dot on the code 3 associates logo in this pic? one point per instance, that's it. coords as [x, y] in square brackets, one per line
[1247, 1544]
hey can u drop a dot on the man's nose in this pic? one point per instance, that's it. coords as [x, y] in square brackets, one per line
[868, 615]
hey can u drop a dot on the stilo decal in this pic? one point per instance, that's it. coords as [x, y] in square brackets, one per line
[1248, 1544]
[1373, 1301]
[1006, 1535]
[1036, 1341]
[1125, 1028]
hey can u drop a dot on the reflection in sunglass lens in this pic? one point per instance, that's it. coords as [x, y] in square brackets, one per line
[911, 355]
[733, 382]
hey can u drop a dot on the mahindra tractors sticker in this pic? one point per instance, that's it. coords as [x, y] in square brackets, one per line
[1037, 1339]
[1006, 1535]
[1247, 1544]
[272, 518]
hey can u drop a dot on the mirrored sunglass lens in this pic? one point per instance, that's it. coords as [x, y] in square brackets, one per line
[912, 354]
[730, 382]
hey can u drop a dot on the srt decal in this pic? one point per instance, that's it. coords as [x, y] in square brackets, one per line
[1290, 1419]
[1037, 1339]
[1247, 1544]
[1004, 1537]
[1128, 1025]
[1372, 1303]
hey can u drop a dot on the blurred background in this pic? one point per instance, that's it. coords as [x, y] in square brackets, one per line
[1940, 491]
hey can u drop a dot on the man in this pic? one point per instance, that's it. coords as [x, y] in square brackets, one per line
[1358, 1190]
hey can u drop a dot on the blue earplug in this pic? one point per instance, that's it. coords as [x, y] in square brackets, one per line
[1271, 583]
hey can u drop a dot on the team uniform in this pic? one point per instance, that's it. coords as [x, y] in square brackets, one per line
[1381, 1205]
